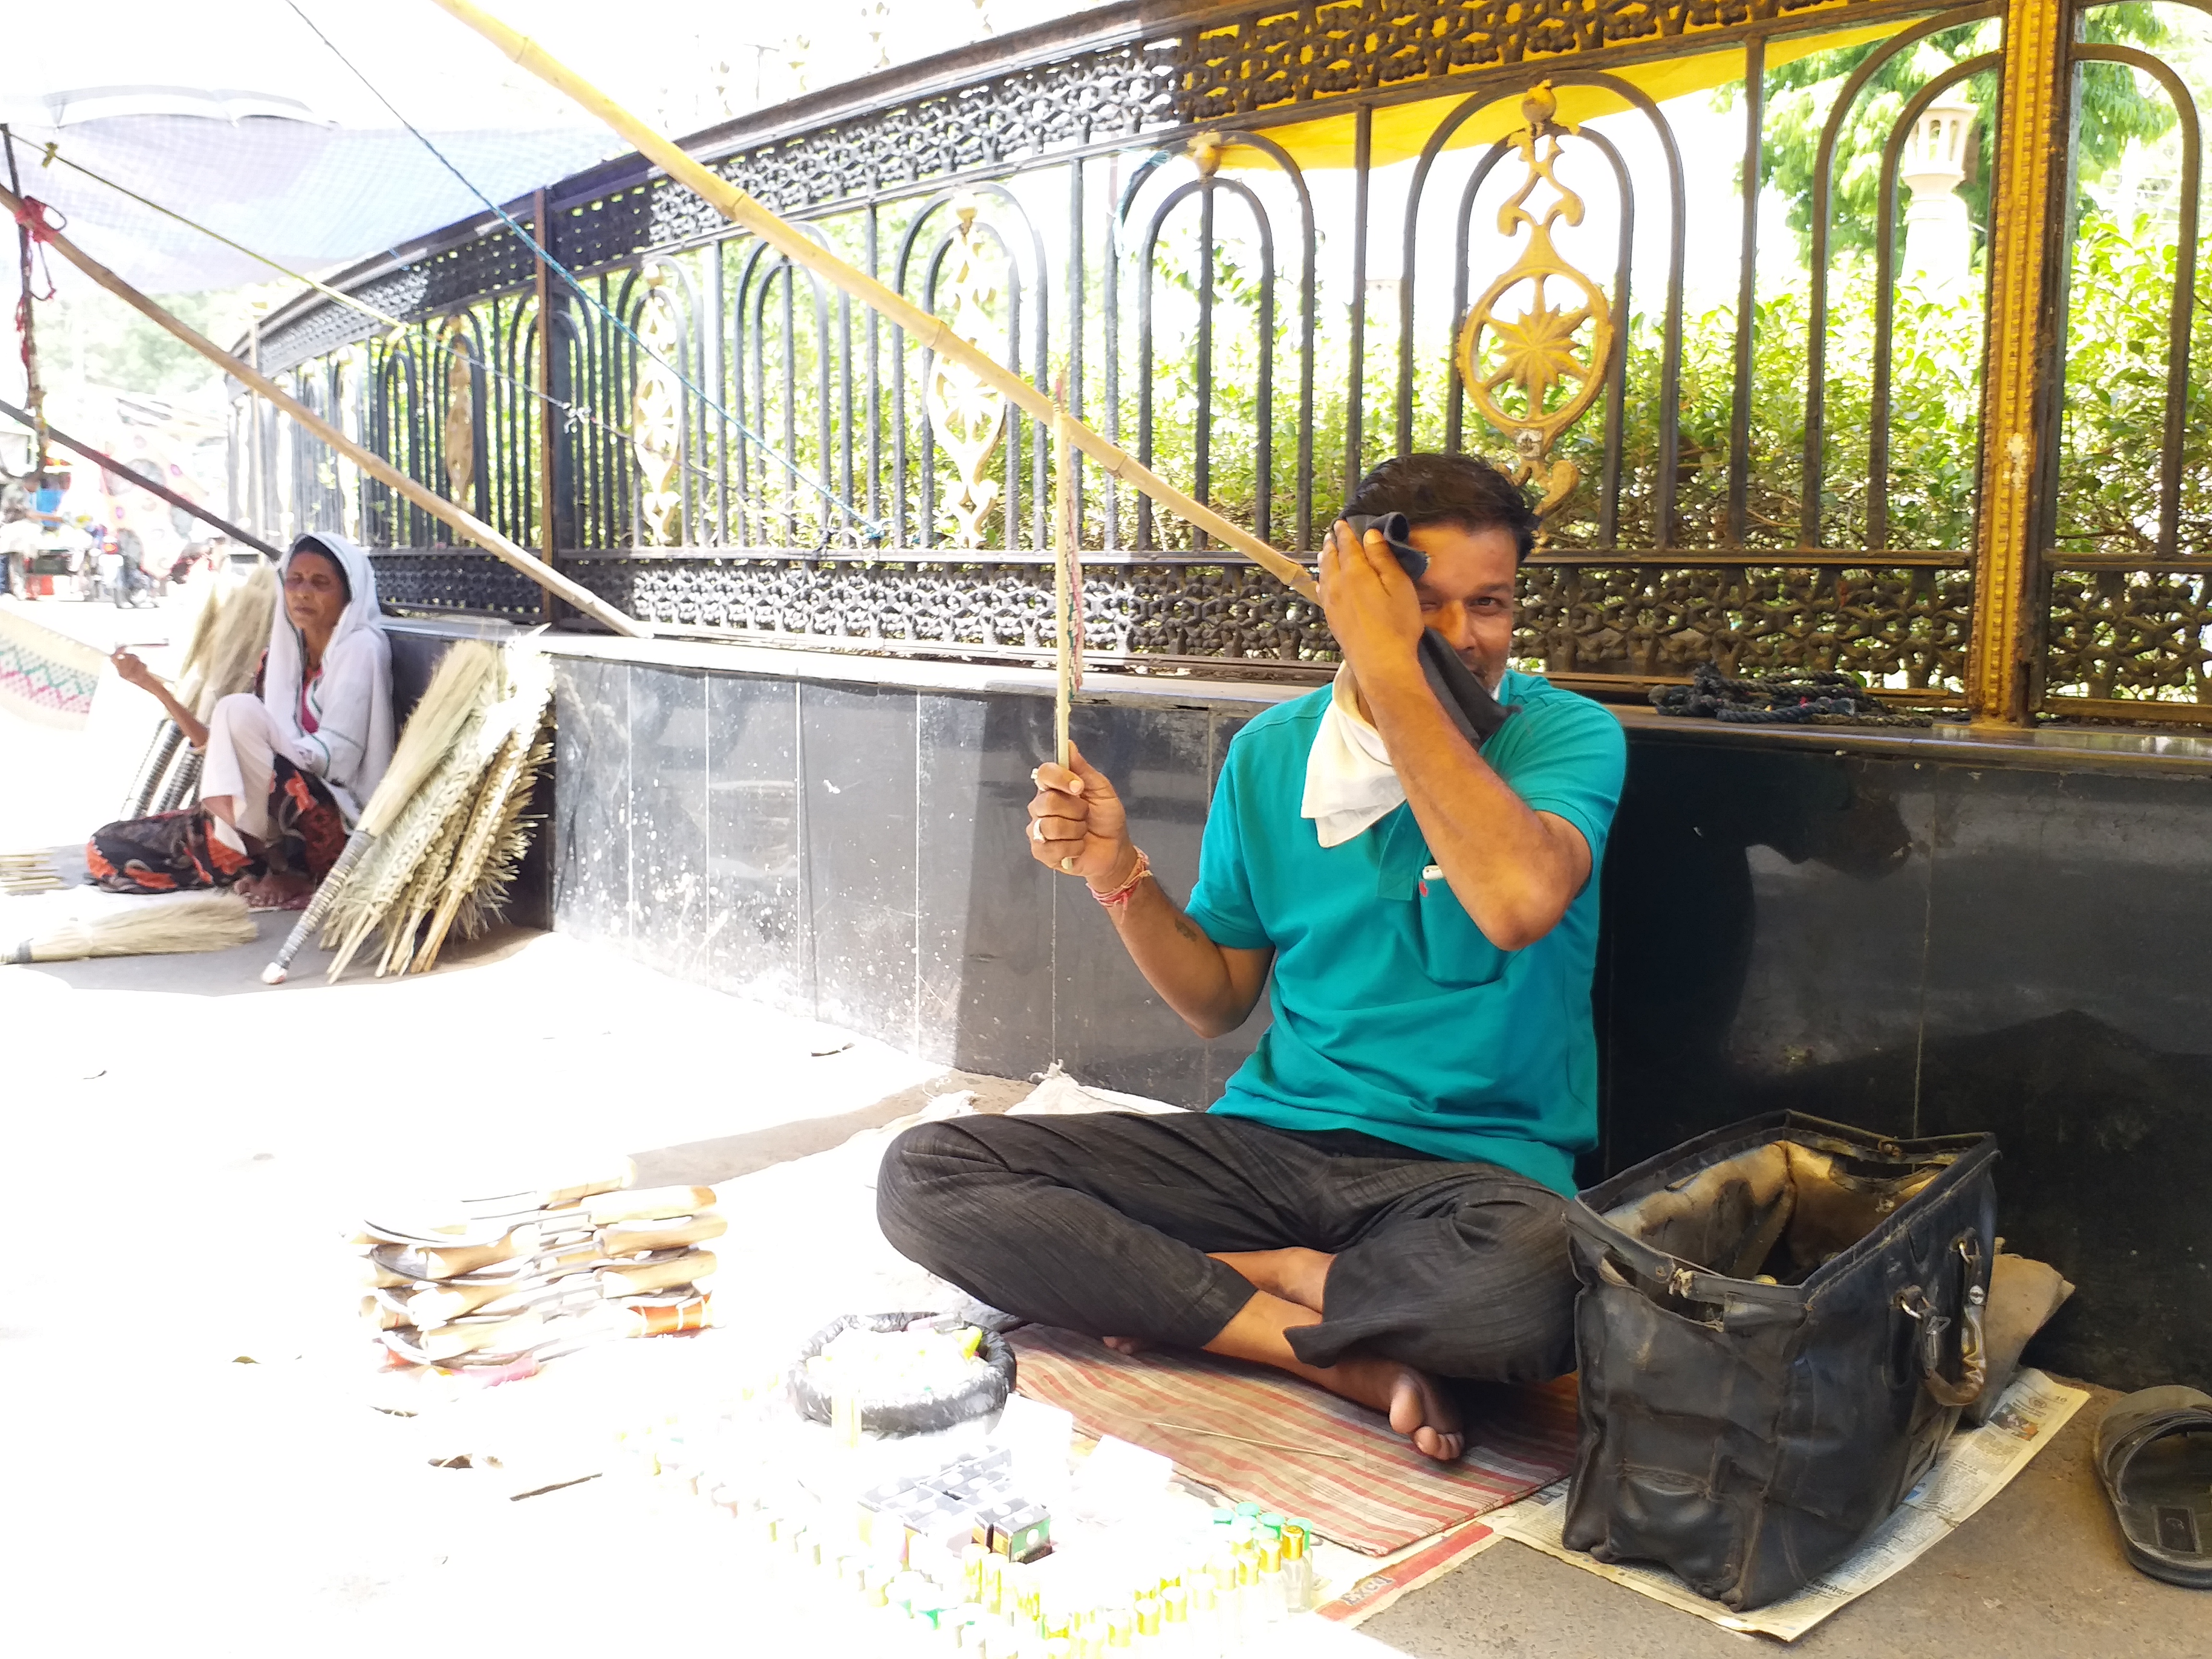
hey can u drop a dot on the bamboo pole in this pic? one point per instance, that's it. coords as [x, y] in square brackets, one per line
[548, 430]
[34, 394]
[122, 471]
[382, 471]
[1067, 665]
[930, 332]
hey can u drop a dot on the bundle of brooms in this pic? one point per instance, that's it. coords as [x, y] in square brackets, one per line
[440, 841]
[220, 657]
[498, 1284]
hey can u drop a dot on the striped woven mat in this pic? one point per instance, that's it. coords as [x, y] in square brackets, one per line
[1258, 1435]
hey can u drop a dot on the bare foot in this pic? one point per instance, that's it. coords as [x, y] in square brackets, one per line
[1295, 1273]
[1421, 1411]
[1131, 1345]
[280, 889]
[1415, 1403]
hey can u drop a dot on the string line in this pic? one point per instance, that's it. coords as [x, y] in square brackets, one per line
[875, 526]
[575, 413]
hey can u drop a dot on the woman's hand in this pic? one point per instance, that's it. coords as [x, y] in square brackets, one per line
[1076, 824]
[1372, 606]
[133, 671]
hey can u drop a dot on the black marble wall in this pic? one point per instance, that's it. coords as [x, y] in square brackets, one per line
[855, 853]
[1931, 948]
[1923, 946]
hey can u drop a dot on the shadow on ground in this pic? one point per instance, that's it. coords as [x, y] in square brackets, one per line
[704, 1163]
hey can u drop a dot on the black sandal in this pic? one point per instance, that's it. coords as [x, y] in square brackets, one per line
[2154, 1456]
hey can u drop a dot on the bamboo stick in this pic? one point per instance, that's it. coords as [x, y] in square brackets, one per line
[122, 471]
[930, 332]
[1067, 666]
[382, 471]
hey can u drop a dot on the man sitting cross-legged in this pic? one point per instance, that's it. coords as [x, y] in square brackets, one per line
[1375, 1203]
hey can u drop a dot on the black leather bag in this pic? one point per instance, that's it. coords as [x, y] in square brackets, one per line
[1778, 1325]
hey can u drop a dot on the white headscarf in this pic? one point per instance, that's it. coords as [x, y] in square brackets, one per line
[351, 702]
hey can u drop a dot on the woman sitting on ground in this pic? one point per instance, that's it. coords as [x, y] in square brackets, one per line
[289, 765]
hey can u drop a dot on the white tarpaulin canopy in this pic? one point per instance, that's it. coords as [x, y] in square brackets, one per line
[236, 115]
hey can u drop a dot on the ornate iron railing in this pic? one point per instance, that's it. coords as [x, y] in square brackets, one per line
[1187, 224]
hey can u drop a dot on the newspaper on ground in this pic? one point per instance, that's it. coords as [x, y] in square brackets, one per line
[1973, 1467]
[1351, 1589]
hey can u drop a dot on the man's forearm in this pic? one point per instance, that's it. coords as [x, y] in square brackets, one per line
[1192, 974]
[1503, 862]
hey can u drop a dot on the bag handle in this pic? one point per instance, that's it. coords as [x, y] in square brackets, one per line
[1654, 1273]
[1973, 1364]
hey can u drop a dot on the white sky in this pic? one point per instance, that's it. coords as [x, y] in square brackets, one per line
[684, 67]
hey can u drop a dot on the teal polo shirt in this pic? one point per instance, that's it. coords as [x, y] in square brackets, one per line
[1393, 1014]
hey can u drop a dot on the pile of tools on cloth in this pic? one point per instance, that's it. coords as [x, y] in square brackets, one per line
[501, 1283]
[1812, 697]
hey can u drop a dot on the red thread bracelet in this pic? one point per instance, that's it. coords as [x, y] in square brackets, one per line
[1120, 895]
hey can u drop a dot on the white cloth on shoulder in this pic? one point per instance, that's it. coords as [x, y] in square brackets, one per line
[1350, 782]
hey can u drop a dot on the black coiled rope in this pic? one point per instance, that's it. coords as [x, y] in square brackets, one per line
[1815, 697]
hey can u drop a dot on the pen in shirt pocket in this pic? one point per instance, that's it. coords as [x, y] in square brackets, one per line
[1432, 872]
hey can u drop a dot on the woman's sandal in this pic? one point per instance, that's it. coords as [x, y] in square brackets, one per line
[2154, 1456]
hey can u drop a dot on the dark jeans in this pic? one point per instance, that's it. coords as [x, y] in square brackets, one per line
[1102, 1223]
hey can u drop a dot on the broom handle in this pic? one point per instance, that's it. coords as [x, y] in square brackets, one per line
[319, 907]
[375, 465]
[1066, 665]
[931, 332]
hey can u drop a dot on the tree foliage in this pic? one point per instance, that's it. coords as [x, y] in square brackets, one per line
[2113, 425]
[1801, 96]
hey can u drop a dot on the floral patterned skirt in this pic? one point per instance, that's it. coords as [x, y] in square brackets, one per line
[171, 851]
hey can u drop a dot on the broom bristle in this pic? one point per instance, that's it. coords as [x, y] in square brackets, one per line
[188, 665]
[221, 659]
[161, 927]
[394, 856]
[454, 693]
[500, 799]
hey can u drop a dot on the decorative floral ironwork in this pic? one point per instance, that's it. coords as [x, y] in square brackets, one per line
[656, 413]
[1907, 627]
[460, 432]
[1537, 354]
[1116, 92]
[967, 414]
[2131, 633]
[1531, 373]
[1291, 55]
[441, 583]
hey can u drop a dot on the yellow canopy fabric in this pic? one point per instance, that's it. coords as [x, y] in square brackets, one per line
[1400, 130]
